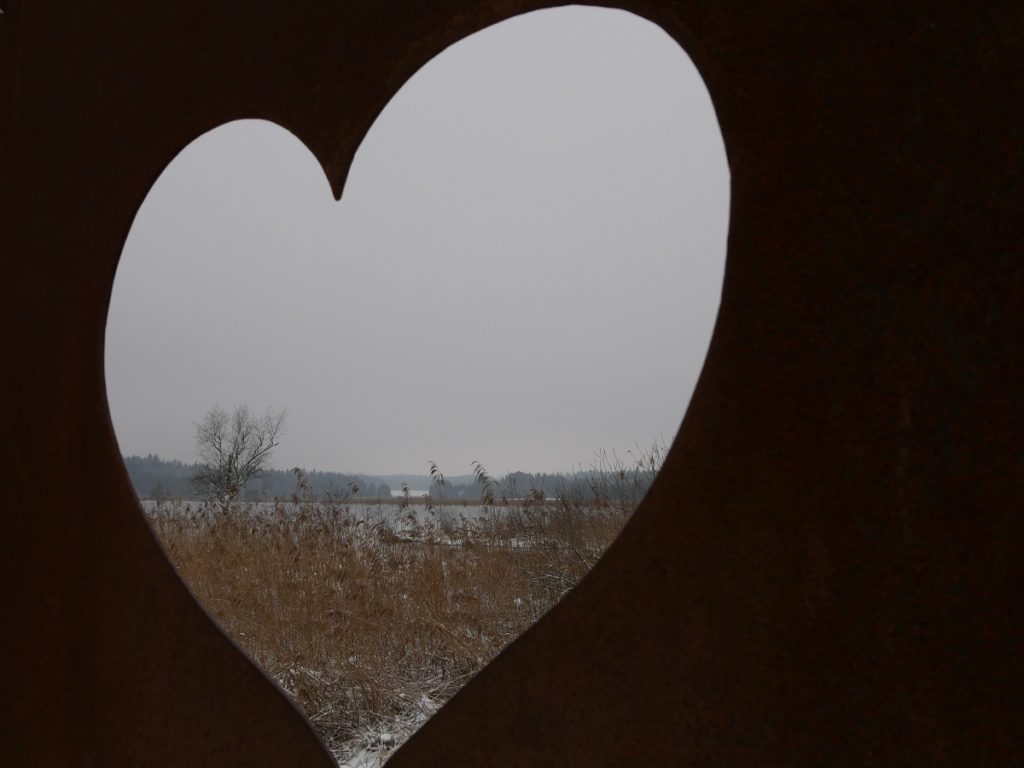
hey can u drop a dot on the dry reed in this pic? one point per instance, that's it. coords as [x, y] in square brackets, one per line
[370, 623]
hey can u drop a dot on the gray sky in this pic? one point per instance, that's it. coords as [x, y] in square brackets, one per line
[524, 269]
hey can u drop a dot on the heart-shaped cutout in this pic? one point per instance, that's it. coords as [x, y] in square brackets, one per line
[521, 233]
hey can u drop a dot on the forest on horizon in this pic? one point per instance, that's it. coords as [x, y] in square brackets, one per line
[153, 477]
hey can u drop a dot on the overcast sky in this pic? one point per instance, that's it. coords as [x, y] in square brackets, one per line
[524, 269]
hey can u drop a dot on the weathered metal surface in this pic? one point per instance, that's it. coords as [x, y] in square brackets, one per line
[829, 569]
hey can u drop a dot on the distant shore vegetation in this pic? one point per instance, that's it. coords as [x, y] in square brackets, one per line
[608, 474]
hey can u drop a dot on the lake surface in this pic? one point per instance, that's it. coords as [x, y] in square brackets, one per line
[370, 511]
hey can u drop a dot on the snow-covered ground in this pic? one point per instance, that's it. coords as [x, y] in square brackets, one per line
[372, 747]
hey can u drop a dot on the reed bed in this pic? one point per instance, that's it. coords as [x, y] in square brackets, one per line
[371, 618]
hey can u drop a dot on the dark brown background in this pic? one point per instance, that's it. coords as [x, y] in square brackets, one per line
[829, 568]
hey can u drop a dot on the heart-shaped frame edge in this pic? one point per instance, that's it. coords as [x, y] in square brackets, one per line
[733, 621]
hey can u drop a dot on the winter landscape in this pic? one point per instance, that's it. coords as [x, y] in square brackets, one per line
[524, 268]
[371, 613]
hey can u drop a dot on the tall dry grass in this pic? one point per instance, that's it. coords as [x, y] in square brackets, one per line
[371, 617]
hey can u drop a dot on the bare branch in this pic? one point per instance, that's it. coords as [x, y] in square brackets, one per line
[234, 449]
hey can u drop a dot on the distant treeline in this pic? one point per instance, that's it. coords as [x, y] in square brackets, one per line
[157, 478]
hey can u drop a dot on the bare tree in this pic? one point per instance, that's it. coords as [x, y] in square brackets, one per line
[234, 448]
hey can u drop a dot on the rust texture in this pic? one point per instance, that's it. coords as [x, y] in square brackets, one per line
[829, 568]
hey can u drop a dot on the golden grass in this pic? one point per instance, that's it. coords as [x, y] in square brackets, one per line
[371, 620]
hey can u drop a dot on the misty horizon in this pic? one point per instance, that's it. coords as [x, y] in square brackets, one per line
[460, 476]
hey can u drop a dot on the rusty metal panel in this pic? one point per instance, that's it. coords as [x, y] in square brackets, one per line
[829, 568]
